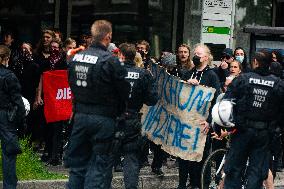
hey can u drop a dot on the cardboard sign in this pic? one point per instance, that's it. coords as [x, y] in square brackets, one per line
[174, 122]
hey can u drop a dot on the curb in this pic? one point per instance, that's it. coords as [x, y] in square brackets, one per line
[150, 181]
[169, 181]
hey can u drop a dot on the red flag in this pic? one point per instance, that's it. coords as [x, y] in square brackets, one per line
[57, 96]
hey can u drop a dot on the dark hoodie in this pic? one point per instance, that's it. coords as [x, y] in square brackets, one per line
[206, 77]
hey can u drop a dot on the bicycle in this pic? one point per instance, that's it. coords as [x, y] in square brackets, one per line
[212, 174]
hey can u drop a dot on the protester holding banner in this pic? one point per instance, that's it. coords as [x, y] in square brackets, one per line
[56, 60]
[97, 81]
[12, 112]
[40, 54]
[201, 74]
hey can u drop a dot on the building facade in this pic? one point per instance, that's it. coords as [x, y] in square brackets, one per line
[165, 23]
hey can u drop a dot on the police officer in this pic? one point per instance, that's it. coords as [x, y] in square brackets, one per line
[12, 112]
[100, 90]
[259, 99]
[142, 91]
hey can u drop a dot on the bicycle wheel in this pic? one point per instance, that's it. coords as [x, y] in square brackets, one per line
[212, 170]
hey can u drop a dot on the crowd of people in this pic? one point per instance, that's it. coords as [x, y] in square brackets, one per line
[113, 89]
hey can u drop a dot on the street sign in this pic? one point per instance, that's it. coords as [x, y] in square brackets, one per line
[217, 22]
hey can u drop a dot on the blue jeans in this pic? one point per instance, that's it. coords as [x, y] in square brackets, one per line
[88, 154]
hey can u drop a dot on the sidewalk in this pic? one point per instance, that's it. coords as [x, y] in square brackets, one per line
[147, 179]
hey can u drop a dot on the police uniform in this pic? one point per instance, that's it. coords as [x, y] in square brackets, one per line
[12, 112]
[258, 104]
[143, 91]
[97, 81]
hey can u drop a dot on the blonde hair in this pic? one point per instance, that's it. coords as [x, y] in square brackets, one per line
[68, 41]
[207, 52]
[4, 52]
[138, 60]
[100, 29]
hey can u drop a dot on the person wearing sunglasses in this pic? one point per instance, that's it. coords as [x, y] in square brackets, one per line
[223, 69]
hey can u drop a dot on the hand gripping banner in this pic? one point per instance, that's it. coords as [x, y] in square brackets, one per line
[174, 122]
[57, 96]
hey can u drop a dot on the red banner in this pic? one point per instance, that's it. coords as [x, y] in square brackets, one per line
[57, 96]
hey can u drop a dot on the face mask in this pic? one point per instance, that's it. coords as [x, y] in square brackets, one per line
[196, 60]
[240, 58]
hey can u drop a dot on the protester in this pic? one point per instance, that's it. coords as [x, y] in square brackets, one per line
[23, 65]
[183, 60]
[143, 47]
[235, 70]
[241, 56]
[259, 100]
[278, 57]
[9, 39]
[222, 70]
[201, 74]
[100, 92]
[69, 44]
[58, 34]
[143, 90]
[12, 112]
[54, 60]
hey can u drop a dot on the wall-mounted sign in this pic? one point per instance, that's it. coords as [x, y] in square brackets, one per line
[217, 22]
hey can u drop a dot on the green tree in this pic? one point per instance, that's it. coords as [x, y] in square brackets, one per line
[258, 12]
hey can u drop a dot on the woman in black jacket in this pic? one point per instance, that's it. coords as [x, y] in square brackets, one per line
[201, 74]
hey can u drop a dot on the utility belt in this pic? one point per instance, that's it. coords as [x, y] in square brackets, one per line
[259, 125]
[107, 111]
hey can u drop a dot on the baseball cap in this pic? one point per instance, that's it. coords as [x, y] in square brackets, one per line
[227, 52]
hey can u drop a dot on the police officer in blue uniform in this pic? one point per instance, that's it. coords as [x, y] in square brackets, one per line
[97, 81]
[143, 91]
[259, 102]
[12, 112]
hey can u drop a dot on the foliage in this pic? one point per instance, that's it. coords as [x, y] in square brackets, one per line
[258, 12]
[29, 166]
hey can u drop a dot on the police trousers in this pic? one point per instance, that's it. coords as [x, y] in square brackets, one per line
[88, 154]
[10, 149]
[248, 144]
[130, 149]
[131, 168]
